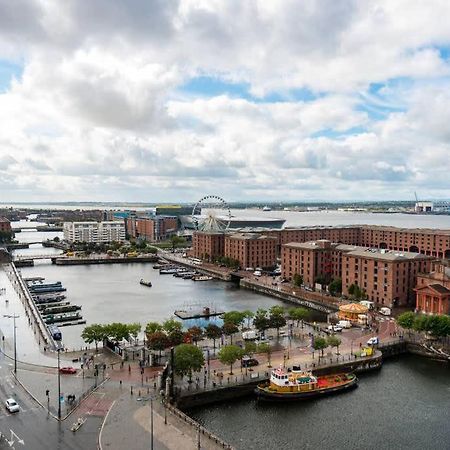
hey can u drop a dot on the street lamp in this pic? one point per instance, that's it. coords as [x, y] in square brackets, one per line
[14, 317]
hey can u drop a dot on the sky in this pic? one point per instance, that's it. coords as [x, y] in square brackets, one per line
[168, 101]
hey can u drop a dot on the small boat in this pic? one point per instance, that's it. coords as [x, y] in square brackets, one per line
[202, 278]
[299, 385]
[145, 283]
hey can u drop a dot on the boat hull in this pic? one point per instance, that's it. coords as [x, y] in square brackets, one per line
[272, 396]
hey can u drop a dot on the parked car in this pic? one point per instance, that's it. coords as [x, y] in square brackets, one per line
[373, 341]
[12, 406]
[335, 328]
[68, 370]
[249, 362]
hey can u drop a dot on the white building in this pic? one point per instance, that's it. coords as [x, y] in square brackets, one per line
[98, 232]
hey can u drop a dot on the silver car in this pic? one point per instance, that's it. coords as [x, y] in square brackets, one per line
[11, 405]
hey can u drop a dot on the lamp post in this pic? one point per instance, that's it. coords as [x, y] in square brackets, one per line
[59, 385]
[151, 423]
[14, 317]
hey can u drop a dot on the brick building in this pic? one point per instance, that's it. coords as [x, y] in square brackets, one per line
[388, 277]
[5, 225]
[427, 241]
[251, 249]
[152, 228]
[208, 245]
[433, 291]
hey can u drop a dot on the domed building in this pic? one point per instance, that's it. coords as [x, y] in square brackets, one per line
[351, 311]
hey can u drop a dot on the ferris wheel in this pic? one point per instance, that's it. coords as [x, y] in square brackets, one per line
[211, 213]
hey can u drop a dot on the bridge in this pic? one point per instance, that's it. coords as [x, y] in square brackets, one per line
[35, 257]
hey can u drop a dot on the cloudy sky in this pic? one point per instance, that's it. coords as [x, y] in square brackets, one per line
[165, 100]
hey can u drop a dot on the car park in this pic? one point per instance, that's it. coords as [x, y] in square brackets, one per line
[68, 370]
[12, 406]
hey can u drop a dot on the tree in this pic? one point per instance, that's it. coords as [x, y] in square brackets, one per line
[171, 324]
[196, 334]
[229, 329]
[260, 321]
[334, 341]
[297, 280]
[158, 341]
[267, 349]
[229, 354]
[175, 241]
[176, 337]
[250, 348]
[56, 239]
[276, 318]
[335, 287]
[234, 317]
[117, 332]
[213, 331]
[134, 329]
[187, 359]
[406, 320]
[249, 316]
[298, 314]
[320, 343]
[94, 333]
[152, 327]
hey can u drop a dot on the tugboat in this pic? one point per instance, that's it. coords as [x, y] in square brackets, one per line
[145, 283]
[301, 385]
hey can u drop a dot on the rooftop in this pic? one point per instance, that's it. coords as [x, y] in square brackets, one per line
[387, 255]
[250, 236]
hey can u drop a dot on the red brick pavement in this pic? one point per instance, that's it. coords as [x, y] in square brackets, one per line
[97, 404]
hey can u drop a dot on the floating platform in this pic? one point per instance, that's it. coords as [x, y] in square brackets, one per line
[197, 313]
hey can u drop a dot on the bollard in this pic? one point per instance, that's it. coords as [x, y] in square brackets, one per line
[131, 390]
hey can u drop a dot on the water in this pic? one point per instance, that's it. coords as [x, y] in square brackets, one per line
[112, 293]
[404, 406]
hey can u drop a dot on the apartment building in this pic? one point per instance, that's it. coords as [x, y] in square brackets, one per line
[388, 277]
[251, 249]
[433, 290]
[152, 228]
[97, 232]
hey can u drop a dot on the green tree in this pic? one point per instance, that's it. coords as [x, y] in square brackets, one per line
[261, 321]
[249, 316]
[171, 324]
[176, 241]
[334, 341]
[158, 341]
[267, 349]
[187, 359]
[94, 333]
[406, 320]
[134, 329]
[298, 314]
[229, 354]
[152, 327]
[320, 343]
[213, 331]
[335, 287]
[117, 332]
[234, 317]
[229, 329]
[196, 334]
[250, 348]
[297, 280]
[276, 318]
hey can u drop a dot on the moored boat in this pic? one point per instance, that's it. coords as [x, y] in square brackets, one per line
[299, 385]
[202, 278]
[145, 283]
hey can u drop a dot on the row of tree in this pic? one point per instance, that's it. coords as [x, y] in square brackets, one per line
[321, 343]
[114, 332]
[437, 325]
[334, 286]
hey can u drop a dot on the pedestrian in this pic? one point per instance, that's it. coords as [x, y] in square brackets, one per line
[120, 382]
[129, 368]
[121, 364]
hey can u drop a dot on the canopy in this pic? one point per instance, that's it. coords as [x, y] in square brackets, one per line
[354, 308]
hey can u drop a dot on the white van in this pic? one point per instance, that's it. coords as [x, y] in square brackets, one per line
[385, 311]
[257, 273]
[344, 324]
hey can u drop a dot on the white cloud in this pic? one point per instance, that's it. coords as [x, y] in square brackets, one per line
[98, 114]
